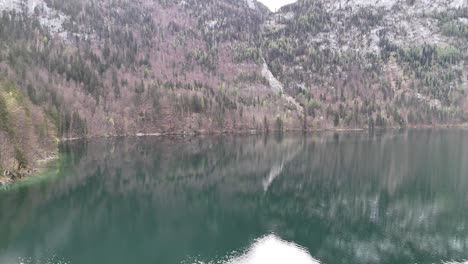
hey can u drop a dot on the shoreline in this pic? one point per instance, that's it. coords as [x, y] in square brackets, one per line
[261, 132]
[41, 164]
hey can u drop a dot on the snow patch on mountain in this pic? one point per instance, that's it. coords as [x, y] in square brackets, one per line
[251, 4]
[418, 5]
[414, 31]
[10, 5]
[278, 87]
[397, 21]
[49, 18]
[352, 3]
[274, 83]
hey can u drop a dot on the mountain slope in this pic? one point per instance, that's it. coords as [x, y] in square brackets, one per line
[121, 67]
[362, 63]
[129, 67]
[26, 133]
[104, 68]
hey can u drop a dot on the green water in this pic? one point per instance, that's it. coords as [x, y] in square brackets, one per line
[400, 197]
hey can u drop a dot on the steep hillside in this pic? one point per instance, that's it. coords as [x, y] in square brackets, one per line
[104, 68]
[26, 133]
[360, 63]
[121, 67]
[128, 67]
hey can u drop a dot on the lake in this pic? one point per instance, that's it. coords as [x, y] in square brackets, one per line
[397, 197]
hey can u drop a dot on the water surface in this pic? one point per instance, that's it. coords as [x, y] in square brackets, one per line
[399, 197]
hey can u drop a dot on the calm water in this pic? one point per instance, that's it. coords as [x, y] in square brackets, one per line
[400, 197]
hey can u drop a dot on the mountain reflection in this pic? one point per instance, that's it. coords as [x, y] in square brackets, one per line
[346, 198]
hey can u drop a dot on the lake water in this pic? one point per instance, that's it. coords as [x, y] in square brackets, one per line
[399, 197]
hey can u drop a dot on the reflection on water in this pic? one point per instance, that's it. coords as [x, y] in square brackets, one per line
[272, 250]
[268, 249]
[345, 198]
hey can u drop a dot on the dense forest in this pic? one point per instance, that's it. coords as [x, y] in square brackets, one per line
[358, 65]
[86, 68]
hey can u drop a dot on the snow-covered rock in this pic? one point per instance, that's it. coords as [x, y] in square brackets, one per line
[49, 18]
[397, 21]
[277, 87]
[274, 83]
[251, 4]
[418, 5]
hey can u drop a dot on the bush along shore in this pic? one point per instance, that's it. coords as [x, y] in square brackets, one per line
[9, 176]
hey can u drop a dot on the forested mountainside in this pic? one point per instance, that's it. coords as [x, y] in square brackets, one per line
[26, 133]
[357, 63]
[104, 68]
[86, 68]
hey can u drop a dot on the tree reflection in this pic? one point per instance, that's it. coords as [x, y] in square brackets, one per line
[390, 198]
